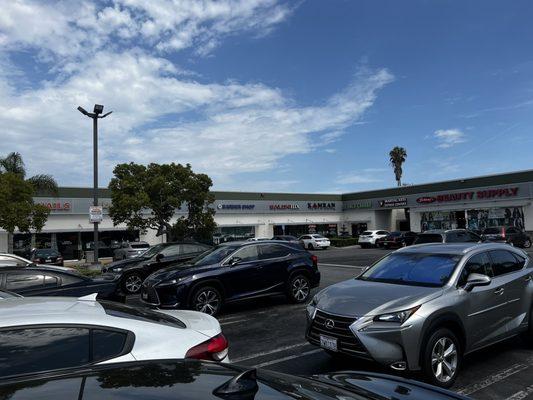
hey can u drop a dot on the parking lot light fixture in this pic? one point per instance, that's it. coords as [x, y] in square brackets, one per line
[95, 115]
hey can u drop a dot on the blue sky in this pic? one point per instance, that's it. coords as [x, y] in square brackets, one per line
[271, 95]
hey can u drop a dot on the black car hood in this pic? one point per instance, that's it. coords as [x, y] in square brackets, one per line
[172, 379]
[356, 297]
[171, 272]
[127, 263]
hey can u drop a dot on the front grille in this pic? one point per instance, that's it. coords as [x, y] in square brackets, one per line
[347, 342]
[149, 295]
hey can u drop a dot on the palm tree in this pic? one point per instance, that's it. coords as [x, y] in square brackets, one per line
[397, 158]
[14, 164]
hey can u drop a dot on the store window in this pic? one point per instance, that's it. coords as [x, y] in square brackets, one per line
[495, 217]
[233, 233]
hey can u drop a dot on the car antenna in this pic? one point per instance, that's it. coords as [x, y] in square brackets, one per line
[89, 297]
[240, 387]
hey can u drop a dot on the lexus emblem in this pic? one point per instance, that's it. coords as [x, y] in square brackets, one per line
[329, 324]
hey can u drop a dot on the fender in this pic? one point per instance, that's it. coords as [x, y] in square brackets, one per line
[441, 319]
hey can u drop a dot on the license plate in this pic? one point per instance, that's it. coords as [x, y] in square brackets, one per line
[328, 343]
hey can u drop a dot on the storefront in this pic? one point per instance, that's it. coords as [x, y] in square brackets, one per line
[473, 203]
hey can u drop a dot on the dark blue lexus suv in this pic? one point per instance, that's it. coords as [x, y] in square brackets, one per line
[234, 271]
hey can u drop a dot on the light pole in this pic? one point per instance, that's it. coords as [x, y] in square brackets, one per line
[95, 115]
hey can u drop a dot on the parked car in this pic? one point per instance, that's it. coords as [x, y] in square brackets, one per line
[511, 235]
[130, 250]
[398, 239]
[46, 334]
[133, 271]
[257, 239]
[448, 236]
[197, 380]
[104, 250]
[8, 295]
[13, 260]
[46, 256]
[425, 307]
[314, 241]
[368, 238]
[54, 281]
[232, 272]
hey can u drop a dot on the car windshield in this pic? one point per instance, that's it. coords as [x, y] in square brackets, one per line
[139, 245]
[366, 233]
[152, 251]
[417, 269]
[429, 238]
[491, 231]
[214, 256]
[140, 314]
[46, 253]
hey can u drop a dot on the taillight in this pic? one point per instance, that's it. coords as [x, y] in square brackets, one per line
[503, 233]
[214, 349]
[315, 260]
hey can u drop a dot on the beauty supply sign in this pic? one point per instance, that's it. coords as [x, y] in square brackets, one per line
[480, 195]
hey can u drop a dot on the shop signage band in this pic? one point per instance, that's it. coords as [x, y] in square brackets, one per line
[56, 205]
[284, 207]
[397, 202]
[467, 196]
[358, 205]
[321, 206]
[236, 206]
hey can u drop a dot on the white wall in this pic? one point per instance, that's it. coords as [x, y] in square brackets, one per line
[528, 217]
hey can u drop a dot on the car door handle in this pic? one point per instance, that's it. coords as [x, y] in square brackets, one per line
[499, 291]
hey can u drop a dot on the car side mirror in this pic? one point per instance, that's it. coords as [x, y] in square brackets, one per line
[159, 257]
[235, 261]
[474, 280]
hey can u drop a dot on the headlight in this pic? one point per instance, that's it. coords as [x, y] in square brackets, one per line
[398, 317]
[116, 269]
[172, 281]
[311, 308]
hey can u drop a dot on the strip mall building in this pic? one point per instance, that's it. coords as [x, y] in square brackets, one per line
[473, 203]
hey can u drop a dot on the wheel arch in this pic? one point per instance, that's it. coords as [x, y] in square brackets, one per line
[206, 282]
[447, 320]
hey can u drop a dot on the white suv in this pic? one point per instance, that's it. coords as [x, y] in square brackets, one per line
[40, 334]
[314, 241]
[368, 238]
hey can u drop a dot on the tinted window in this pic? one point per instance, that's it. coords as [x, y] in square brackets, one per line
[139, 245]
[413, 269]
[472, 237]
[521, 260]
[214, 256]
[366, 233]
[478, 264]
[274, 251]
[172, 250]
[382, 233]
[19, 281]
[107, 344]
[42, 349]
[248, 253]
[504, 262]
[140, 314]
[46, 253]
[512, 230]
[491, 231]
[192, 248]
[429, 238]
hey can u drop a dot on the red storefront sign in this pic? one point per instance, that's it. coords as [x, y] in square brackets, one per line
[461, 196]
[57, 206]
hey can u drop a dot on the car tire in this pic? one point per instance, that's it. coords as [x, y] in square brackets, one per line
[527, 243]
[442, 358]
[310, 246]
[131, 283]
[299, 288]
[207, 299]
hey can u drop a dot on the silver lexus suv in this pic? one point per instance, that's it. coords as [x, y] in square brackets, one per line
[424, 307]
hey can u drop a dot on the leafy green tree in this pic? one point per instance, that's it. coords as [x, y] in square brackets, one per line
[146, 197]
[18, 211]
[397, 158]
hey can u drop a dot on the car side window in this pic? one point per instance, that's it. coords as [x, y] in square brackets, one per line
[381, 233]
[172, 250]
[42, 349]
[451, 237]
[472, 237]
[273, 251]
[504, 262]
[191, 248]
[20, 280]
[477, 264]
[107, 344]
[248, 253]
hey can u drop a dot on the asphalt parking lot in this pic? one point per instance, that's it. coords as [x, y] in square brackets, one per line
[269, 333]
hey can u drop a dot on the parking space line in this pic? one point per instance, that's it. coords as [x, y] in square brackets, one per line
[266, 353]
[279, 360]
[492, 379]
[224, 323]
[341, 265]
[521, 394]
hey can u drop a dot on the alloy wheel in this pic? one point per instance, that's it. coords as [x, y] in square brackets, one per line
[133, 283]
[527, 244]
[444, 359]
[300, 289]
[207, 301]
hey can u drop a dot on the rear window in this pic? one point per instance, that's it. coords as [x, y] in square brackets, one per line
[366, 233]
[140, 314]
[491, 231]
[318, 236]
[46, 253]
[139, 245]
[429, 238]
[395, 234]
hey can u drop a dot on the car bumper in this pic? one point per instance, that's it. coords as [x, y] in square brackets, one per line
[170, 297]
[322, 244]
[384, 343]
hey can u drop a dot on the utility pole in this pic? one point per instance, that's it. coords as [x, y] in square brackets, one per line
[95, 115]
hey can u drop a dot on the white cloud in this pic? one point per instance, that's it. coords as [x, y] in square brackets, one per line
[162, 113]
[366, 175]
[449, 137]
